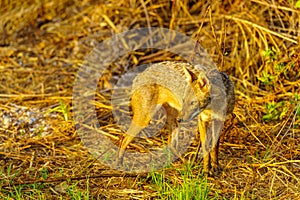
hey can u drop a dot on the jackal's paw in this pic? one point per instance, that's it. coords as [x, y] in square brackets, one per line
[206, 170]
[212, 171]
[215, 170]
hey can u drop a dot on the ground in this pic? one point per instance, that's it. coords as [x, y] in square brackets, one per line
[45, 44]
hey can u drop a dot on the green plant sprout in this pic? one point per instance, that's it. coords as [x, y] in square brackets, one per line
[62, 108]
[271, 54]
[275, 111]
[266, 78]
[297, 4]
[44, 173]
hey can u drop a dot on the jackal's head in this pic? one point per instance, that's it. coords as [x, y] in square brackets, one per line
[196, 96]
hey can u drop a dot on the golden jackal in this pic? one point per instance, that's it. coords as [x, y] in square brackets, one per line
[184, 88]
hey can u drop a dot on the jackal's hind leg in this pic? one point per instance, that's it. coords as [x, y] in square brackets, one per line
[172, 125]
[133, 130]
[140, 120]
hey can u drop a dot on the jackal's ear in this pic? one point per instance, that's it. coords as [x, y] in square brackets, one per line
[203, 84]
[190, 76]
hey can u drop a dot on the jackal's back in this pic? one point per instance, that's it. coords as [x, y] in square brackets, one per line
[169, 75]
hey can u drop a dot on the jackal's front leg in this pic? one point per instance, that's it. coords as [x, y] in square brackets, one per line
[215, 134]
[203, 138]
[215, 167]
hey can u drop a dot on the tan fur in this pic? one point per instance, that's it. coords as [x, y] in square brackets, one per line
[177, 85]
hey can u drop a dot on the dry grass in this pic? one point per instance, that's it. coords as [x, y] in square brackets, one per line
[43, 44]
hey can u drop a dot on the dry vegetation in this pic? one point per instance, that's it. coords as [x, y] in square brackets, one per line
[44, 43]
